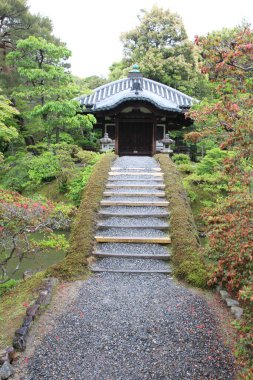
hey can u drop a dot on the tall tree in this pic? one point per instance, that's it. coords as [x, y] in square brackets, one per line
[46, 89]
[228, 59]
[160, 46]
[16, 22]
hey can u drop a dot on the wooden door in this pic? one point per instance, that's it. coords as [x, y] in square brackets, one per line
[135, 138]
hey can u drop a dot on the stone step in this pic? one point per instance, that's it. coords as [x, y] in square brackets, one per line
[131, 264]
[118, 168]
[134, 193]
[134, 186]
[126, 173]
[134, 211]
[132, 239]
[135, 179]
[102, 225]
[131, 256]
[129, 215]
[140, 249]
[133, 202]
[132, 271]
[121, 222]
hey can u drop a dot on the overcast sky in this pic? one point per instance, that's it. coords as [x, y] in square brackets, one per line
[91, 28]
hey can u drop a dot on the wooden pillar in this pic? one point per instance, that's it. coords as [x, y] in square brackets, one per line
[117, 136]
[154, 137]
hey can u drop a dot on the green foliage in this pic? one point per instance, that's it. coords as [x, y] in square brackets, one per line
[18, 23]
[46, 90]
[15, 172]
[181, 158]
[228, 117]
[6, 286]
[212, 162]
[56, 241]
[159, 44]
[88, 157]
[187, 168]
[43, 167]
[89, 83]
[78, 184]
[7, 113]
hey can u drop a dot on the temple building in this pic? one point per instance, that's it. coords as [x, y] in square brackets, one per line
[137, 113]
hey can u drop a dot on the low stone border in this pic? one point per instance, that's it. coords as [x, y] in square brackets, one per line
[234, 305]
[8, 355]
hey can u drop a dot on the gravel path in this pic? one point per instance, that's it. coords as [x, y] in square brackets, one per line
[133, 327]
[134, 162]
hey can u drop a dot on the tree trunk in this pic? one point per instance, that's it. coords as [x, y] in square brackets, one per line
[57, 135]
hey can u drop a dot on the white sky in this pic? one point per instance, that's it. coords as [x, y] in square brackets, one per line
[91, 28]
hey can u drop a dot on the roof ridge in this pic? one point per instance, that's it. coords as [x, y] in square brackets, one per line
[165, 86]
[171, 88]
[110, 83]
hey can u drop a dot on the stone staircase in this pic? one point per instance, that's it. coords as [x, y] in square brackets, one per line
[132, 231]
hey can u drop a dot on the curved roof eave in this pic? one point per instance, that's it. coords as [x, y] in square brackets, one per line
[112, 94]
[118, 99]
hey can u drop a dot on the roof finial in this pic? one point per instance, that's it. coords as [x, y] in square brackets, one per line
[135, 68]
[135, 72]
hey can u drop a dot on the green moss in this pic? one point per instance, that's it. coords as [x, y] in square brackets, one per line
[13, 306]
[75, 263]
[186, 250]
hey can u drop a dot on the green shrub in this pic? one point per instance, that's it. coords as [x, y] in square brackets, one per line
[212, 162]
[75, 188]
[14, 173]
[88, 157]
[44, 167]
[186, 168]
[181, 158]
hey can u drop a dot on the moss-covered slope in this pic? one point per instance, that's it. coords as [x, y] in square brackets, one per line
[82, 234]
[187, 258]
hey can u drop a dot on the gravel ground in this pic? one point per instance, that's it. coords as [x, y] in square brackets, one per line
[135, 162]
[122, 221]
[132, 232]
[133, 327]
[122, 263]
[134, 248]
[155, 210]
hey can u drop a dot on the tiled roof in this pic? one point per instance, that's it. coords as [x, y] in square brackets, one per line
[112, 94]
